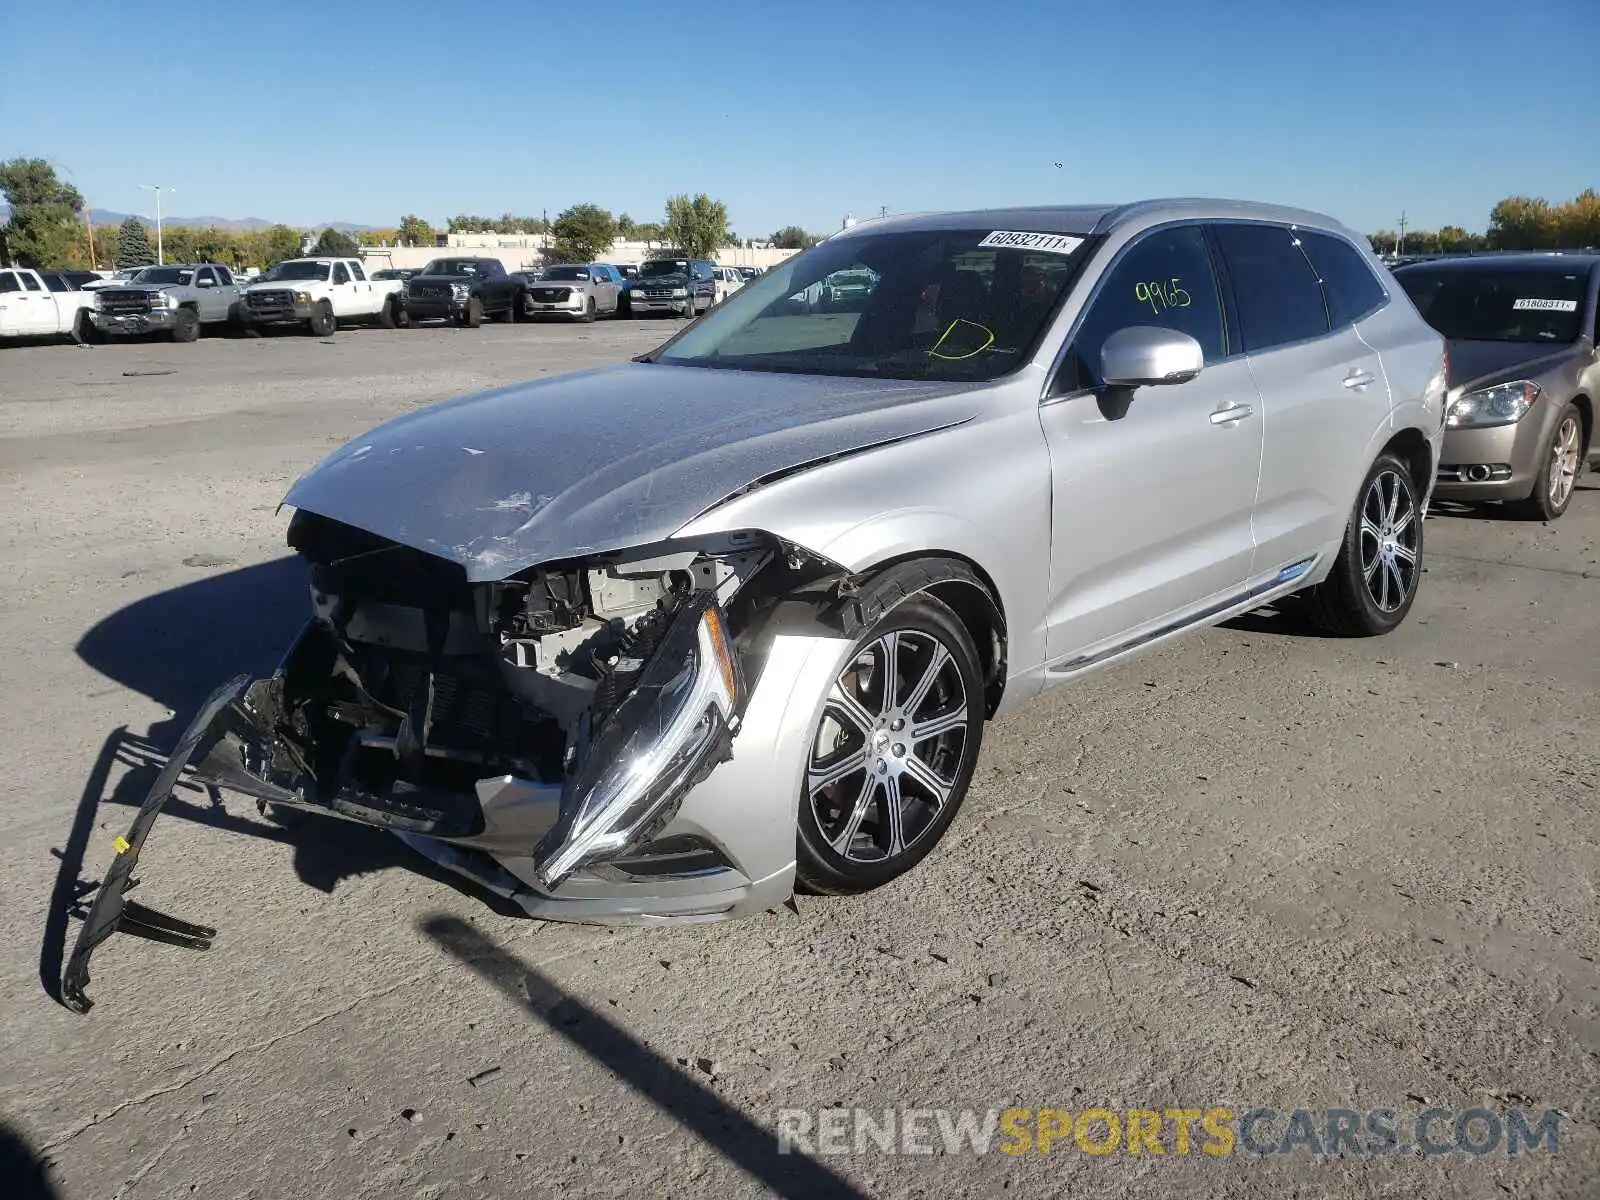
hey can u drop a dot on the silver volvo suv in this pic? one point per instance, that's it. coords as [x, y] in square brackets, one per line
[670, 639]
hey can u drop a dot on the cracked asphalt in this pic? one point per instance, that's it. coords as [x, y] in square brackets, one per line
[1257, 869]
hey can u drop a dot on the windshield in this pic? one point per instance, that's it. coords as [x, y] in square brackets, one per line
[1516, 304]
[298, 270]
[453, 266]
[164, 275]
[663, 266]
[921, 304]
[568, 274]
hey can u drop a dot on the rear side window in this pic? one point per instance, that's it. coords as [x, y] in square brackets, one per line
[340, 275]
[1278, 296]
[1165, 279]
[31, 284]
[56, 283]
[355, 270]
[224, 276]
[1349, 287]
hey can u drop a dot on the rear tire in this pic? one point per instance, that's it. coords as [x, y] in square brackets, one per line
[323, 323]
[186, 326]
[1563, 462]
[878, 796]
[1375, 578]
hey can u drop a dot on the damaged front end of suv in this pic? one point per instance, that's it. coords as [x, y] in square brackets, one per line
[538, 734]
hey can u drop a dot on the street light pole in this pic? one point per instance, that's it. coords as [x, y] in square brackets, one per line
[158, 189]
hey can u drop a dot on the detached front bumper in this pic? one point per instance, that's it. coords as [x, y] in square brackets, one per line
[157, 320]
[659, 821]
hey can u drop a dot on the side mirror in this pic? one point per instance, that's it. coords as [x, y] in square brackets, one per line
[204, 283]
[1145, 356]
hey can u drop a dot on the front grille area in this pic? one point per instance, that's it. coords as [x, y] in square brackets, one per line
[431, 291]
[271, 303]
[656, 293]
[551, 295]
[121, 303]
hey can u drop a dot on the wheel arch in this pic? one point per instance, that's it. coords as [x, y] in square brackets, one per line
[957, 581]
[1412, 447]
[1585, 408]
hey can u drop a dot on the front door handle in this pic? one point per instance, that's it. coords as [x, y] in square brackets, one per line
[1230, 412]
[1358, 380]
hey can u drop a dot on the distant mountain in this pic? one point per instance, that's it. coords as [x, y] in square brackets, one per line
[104, 216]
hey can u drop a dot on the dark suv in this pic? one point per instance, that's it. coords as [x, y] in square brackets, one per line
[464, 290]
[665, 285]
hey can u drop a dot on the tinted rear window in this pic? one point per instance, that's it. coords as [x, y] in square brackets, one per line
[1277, 294]
[1500, 304]
[1349, 287]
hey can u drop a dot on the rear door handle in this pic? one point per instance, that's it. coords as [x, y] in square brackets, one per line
[1358, 379]
[1230, 412]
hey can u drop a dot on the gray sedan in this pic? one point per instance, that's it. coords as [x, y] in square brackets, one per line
[579, 292]
[670, 639]
[1524, 375]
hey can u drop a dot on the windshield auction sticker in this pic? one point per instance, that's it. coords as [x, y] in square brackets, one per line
[1044, 243]
[1535, 305]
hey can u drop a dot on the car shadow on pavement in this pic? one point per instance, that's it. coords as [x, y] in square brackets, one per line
[22, 1170]
[695, 1107]
[174, 647]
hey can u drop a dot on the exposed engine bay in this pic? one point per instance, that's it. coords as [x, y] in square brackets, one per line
[559, 714]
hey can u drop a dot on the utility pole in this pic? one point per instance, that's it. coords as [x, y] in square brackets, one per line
[158, 189]
[883, 210]
[1400, 241]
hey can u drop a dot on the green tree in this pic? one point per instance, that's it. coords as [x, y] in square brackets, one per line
[1453, 239]
[1383, 241]
[696, 227]
[627, 227]
[43, 229]
[792, 237]
[1578, 221]
[583, 233]
[273, 245]
[133, 244]
[415, 230]
[649, 232]
[333, 244]
[1522, 223]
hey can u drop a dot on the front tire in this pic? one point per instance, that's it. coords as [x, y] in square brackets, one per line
[388, 316]
[1374, 580]
[1563, 462]
[893, 753]
[322, 322]
[186, 326]
[472, 316]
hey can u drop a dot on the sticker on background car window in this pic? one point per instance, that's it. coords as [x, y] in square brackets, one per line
[1045, 243]
[1529, 304]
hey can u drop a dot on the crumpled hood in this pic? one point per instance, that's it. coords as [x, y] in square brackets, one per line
[1479, 364]
[602, 460]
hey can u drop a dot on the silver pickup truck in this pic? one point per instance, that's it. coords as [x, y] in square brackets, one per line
[175, 300]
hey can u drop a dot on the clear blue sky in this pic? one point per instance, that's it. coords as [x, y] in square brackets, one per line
[361, 111]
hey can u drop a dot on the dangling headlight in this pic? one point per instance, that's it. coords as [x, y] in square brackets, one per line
[676, 724]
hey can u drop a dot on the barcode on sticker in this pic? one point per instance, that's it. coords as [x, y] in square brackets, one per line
[1535, 305]
[1045, 243]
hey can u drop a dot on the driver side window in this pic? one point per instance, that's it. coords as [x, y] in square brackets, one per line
[1166, 280]
[340, 275]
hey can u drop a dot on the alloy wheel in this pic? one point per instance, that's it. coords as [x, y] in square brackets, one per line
[1390, 533]
[890, 747]
[1564, 455]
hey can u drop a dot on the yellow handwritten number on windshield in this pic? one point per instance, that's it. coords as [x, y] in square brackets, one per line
[1161, 296]
[988, 336]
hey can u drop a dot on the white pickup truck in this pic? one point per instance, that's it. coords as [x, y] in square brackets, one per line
[28, 308]
[317, 294]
